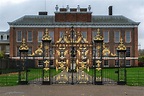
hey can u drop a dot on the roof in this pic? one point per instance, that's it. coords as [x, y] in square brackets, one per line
[50, 20]
[4, 33]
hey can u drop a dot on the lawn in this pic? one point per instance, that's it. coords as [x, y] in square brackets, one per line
[135, 75]
[11, 79]
[37, 73]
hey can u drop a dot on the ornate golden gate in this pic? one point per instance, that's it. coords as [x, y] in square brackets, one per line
[73, 57]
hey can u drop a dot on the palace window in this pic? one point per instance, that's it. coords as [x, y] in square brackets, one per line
[128, 36]
[40, 34]
[30, 50]
[5, 37]
[40, 63]
[19, 36]
[117, 37]
[128, 63]
[52, 35]
[94, 33]
[106, 63]
[7, 49]
[84, 34]
[61, 34]
[128, 52]
[29, 36]
[116, 63]
[106, 36]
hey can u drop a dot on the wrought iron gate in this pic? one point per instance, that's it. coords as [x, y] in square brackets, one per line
[72, 60]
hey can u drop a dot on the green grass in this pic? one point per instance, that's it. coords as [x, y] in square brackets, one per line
[37, 73]
[11, 79]
[135, 76]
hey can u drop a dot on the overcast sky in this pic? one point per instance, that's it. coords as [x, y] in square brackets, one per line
[11, 10]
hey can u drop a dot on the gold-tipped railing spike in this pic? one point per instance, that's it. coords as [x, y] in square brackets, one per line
[121, 46]
[23, 46]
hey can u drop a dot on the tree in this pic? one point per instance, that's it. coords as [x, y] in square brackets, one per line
[1, 54]
[141, 52]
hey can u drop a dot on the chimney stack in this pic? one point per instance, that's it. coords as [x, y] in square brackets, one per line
[43, 13]
[110, 10]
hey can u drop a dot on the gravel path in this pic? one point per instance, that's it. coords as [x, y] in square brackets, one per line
[71, 90]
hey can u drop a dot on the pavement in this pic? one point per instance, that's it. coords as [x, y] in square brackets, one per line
[71, 90]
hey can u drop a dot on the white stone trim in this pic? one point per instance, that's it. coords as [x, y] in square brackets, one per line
[105, 58]
[114, 58]
[75, 25]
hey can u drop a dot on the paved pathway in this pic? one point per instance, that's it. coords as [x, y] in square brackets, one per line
[71, 90]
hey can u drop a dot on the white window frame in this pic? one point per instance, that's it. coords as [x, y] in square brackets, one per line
[7, 48]
[106, 65]
[17, 36]
[129, 62]
[51, 36]
[107, 36]
[28, 36]
[94, 33]
[129, 37]
[38, 36]
[61, 33]
[85, 32]
[30, 49]
[4, 36]
[116, 36]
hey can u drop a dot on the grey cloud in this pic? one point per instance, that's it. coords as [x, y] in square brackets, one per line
[132, 9]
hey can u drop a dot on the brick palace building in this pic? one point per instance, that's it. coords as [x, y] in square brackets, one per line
[112, 28]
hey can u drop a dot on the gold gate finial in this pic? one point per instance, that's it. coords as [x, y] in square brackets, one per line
[23, 46]
[46, 36]
[121, 46]
[98, 37]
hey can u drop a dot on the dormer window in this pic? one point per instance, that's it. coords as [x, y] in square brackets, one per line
[5, 37]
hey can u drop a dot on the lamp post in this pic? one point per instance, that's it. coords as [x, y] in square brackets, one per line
[121, 49]
[46, 40]
[23, 49]
[98, 43]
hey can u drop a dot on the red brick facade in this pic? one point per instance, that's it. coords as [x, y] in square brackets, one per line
[74, 17]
